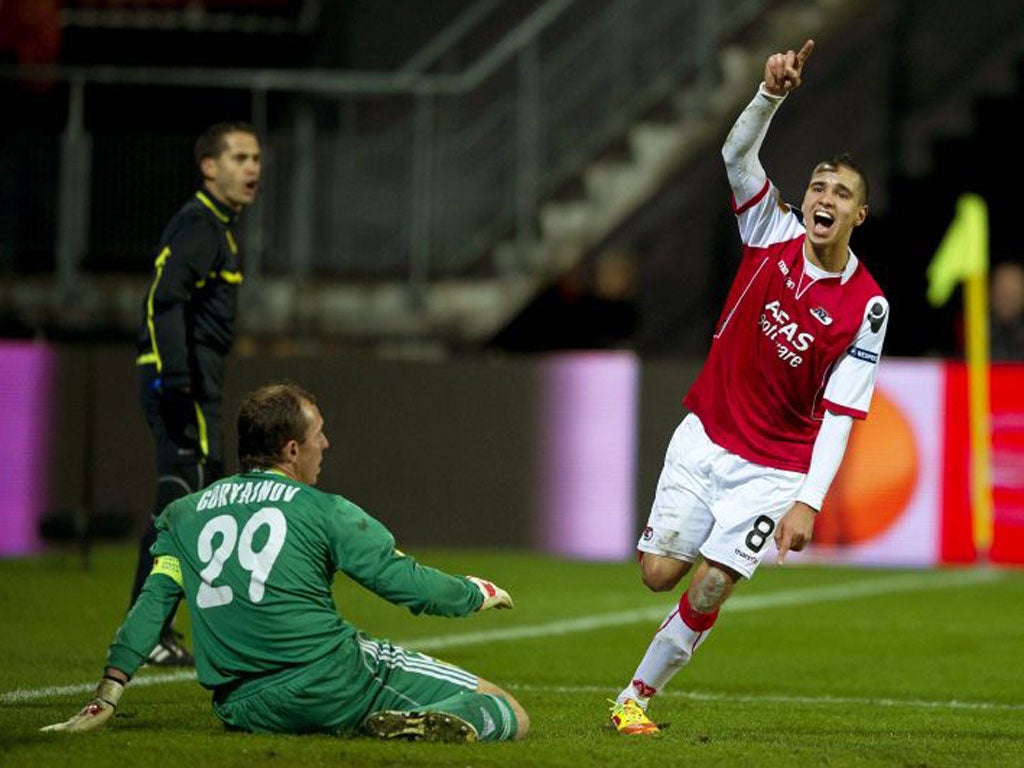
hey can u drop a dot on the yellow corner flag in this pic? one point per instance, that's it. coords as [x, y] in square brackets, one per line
[963, 256]
[963, 251]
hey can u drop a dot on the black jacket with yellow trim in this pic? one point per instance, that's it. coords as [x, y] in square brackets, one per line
[188, 313]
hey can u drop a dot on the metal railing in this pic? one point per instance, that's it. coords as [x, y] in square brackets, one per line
[404, 175]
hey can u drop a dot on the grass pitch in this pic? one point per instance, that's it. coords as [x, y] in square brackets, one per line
[807, 666]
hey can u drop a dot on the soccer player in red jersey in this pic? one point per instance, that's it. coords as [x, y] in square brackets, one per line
[792, 362]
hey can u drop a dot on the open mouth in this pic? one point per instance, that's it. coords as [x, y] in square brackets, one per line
[823, 222]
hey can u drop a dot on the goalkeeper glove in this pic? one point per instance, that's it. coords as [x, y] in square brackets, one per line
[494, 596]
[94, 714]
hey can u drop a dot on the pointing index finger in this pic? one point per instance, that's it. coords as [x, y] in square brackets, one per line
[805, 52]
[782, 543]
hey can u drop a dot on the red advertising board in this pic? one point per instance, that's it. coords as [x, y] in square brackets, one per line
[1007, 404]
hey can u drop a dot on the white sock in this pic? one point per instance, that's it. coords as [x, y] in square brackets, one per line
[673, 645]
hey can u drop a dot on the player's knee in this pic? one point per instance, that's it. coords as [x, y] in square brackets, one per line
[658, 582]
[522, 718]
[711, 587]
[661, 574]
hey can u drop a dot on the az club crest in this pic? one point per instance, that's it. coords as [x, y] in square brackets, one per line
[822, 316]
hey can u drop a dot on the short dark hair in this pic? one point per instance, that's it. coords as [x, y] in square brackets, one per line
[845, 160]
[212, 142]
[268, 418]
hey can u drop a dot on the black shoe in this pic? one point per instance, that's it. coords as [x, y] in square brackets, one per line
[170, 652]
[419, 726]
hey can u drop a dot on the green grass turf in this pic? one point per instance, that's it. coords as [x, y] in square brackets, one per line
[867, 681]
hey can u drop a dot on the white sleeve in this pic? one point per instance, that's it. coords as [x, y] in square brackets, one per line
[829, 448]
[852, 382]
[747, 176]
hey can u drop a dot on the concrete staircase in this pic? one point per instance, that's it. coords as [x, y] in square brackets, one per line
[461, 313]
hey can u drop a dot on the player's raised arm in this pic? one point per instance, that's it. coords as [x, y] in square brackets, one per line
[783, 73]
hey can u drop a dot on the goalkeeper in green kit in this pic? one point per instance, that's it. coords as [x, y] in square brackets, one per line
[255, 555]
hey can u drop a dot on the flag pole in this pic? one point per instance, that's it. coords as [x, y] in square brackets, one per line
[977, 343]
[963, 257]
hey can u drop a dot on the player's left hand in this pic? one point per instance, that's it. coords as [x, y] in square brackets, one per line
[795, 529]
[494, 596]
[783, 72]
[95, 713]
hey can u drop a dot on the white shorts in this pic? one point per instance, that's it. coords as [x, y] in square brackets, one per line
[714, 503]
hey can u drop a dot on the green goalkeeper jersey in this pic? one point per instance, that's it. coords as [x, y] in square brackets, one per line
[255, 555]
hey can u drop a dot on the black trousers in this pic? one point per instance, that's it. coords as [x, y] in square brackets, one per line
[180, 470]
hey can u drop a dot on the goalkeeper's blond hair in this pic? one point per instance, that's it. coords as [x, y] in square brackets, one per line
[268, 419]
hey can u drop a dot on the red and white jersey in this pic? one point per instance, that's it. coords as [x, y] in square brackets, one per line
[792, 341]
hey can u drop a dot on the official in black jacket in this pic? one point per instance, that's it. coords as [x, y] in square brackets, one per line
[188, 317]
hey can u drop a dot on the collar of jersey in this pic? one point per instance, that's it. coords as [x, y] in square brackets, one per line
[817, 273]
[223, 213]
[271, 471]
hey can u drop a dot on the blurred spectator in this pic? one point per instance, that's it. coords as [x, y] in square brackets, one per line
[1007, 302]
[593, 305]
[30, 30]
[614, 308]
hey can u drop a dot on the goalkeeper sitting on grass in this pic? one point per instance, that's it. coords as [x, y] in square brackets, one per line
[255, 555]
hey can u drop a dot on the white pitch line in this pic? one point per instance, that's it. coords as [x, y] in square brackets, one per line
[28, 694]
[925, 580]
[740, 603]
[771, 698]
